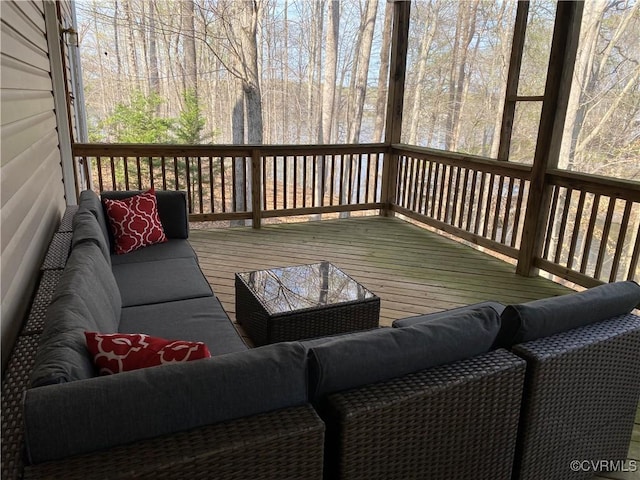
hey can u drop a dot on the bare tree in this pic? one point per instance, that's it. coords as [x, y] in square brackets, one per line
[465, 30]
[187, 16]
[330, 75]
[367, 27]
[134, 73]
[414, 103]
[594, 66]
[383, 73]
[154, 80]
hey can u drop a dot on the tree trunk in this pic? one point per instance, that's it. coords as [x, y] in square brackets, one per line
[351, 96]
[285, 77]
[116, 41]
[361, 75]
[246, 66]
[328, 91]
[331, 65]
[143, 63]
[189, 46]
[251, 82]
[154, 80]
[383, 74]
[464, 79]
[465, 29]
[431, 26]
[364, 55]
[101, 67]
[133, 58]
[314, 118]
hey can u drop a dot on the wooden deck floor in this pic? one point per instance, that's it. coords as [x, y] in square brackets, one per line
[412, 270]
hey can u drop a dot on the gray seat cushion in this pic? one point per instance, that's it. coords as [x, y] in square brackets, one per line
[197, 319]
[87, 229]
[427, 317]
[117, 409]
[144, 283]
[172, 210]
[174, 248]
[86, 298]
[368, 357]
[548, 316]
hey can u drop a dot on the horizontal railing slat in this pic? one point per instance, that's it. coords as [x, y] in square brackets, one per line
[488, 165]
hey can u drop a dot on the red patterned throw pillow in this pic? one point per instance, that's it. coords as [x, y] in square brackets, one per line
[121, 352]
[135, 222]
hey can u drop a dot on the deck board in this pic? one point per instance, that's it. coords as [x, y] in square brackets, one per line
[411, 269]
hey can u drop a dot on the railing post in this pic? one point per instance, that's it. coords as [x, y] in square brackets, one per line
[256, 188]
[564, 47]
[395, 102]
[389, 182]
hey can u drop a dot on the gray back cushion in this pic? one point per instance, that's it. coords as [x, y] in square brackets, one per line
[86, 299]
[116, 409]
[172, 210]
[542, 318]
[87, 229]
[428, 317]
[90, 200]
[362, 358]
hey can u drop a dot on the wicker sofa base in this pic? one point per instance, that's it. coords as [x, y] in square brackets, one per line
[285, 444]
[385, 431]
[15, 382]
[580, 399]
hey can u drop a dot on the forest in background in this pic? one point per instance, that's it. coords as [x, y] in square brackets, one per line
[315, 71]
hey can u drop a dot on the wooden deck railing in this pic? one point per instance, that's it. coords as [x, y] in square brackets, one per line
[593, 229]
[239, 182]
[592, 232]
[301, 180]
[479, 200]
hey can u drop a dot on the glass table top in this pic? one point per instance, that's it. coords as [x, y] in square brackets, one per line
[287, 289]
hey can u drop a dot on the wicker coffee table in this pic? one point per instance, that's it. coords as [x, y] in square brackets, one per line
[304, 301]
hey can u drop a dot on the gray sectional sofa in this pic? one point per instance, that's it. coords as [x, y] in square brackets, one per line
[160, 291]
[477, 392]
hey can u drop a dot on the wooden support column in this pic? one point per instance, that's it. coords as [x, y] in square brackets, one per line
[395, 101]
[564, 47]
[513, 79]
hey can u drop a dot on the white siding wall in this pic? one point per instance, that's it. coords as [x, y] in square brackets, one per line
[31, 188]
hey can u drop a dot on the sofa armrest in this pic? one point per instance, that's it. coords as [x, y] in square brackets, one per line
[581, 396]
[172, 210]
[286, 443]
[421, 421]
[88, 415]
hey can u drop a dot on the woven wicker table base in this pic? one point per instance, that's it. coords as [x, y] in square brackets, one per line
[266, 324]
